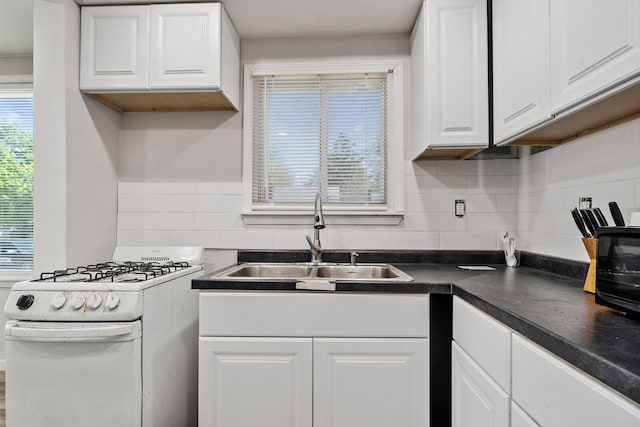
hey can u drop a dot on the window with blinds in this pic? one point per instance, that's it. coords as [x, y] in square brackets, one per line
[16, 179]
[322, 133]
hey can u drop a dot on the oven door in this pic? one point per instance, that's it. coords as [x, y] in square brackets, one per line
[73, 374]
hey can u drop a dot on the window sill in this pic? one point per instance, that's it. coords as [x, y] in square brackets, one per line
[331, 218]
[9, 277]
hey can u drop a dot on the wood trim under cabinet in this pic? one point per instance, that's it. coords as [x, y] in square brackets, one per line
[165, 101]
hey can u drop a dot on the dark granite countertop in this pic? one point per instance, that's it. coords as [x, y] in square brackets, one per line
[549, 309]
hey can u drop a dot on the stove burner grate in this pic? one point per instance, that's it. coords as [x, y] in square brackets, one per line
[131, 271]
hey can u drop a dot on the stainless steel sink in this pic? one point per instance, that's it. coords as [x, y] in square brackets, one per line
[301, 271]
[283, 271]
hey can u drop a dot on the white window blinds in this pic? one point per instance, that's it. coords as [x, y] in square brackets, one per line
[320, 133]
[16, 179]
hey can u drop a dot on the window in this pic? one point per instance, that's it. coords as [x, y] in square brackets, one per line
[16, 178]
[310, 130]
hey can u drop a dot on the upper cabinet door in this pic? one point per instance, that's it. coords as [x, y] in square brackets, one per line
[114, 47]
[520, 66]
[595, 45]
[457, 106]
[185, 46]
[449, 74]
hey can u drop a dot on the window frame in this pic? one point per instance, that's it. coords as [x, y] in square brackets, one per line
[389, 214]
[18, 82]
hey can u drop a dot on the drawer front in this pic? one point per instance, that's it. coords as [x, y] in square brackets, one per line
[486, 340]
[555, 393]
[301, 314]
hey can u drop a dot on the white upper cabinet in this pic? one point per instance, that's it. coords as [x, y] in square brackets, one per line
[449, 79]
[160, 57]
[595, 45]
[520, 66]
[115, 48]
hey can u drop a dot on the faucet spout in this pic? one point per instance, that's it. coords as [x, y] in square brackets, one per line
[318, 216]
[318, 224]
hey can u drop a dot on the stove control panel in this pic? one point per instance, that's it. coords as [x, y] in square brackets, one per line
[80, 306]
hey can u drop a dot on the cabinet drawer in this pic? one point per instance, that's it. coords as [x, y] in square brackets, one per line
[555, 393]
[301, 314]
[486, 340]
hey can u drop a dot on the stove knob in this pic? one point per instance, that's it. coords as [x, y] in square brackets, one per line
[77, 301]
[58, 301]
[94, 301]
[112, 301]
[25, 301]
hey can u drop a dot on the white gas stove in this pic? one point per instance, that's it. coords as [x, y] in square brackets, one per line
[106, 344]
[109, 291]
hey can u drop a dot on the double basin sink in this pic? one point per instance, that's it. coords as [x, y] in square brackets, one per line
[309, 271]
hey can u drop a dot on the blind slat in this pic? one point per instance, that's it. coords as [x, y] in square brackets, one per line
[16, 179]
[320, 133]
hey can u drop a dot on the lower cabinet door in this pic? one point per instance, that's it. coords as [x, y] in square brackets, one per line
[519, 418]
[371, 382]
[249, 382]
[476, 401]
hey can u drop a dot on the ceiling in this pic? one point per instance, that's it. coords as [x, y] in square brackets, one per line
[296, 18]
[16, 27]
[252, 18]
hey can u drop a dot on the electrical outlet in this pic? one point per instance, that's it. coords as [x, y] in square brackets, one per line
[459, 208]
[584, 203]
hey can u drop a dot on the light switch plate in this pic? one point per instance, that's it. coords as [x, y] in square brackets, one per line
[584, 203]
[459, 208]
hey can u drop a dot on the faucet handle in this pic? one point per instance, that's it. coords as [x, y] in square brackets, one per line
[354, 256]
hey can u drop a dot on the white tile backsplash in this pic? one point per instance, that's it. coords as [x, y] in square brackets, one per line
[530, 197]
[208, 213]
[604, 166]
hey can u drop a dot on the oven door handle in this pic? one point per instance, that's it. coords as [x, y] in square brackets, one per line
[20, 331]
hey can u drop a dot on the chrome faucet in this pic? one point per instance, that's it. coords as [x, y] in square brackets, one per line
[318, 224]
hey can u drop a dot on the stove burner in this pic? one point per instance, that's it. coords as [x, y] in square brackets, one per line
[113, 272]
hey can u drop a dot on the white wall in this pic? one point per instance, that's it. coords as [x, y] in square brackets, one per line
[180, 177]
[16, 65]
[75, 149]
[604, 166]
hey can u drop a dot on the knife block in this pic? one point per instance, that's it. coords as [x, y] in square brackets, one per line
[590, 244]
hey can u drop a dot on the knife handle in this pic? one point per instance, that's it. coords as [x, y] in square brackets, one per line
[587, 221]
[618, 219]
[579, 222]
[600, 217]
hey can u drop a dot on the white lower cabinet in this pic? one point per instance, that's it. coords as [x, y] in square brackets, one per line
[297, 359]
[370, 382]
[255, 382]
[500, 378]
[477, 401]
[555, 393]
[300, 382]
[519, 418]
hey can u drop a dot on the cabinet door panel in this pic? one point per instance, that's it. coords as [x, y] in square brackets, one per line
[477, 401]
[594, 45]
[520, 65]
[114, 47]
[371, 382]
[557, 394]
[457, 99]
[255, 382]
[519, 418]
[185, 46]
